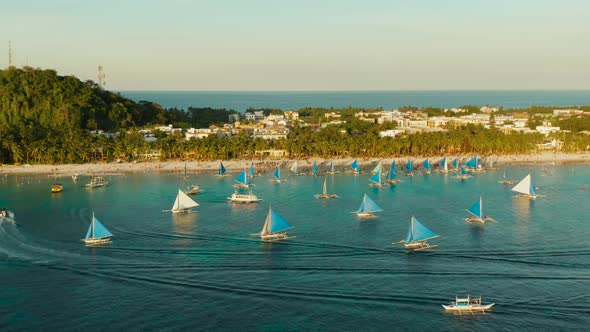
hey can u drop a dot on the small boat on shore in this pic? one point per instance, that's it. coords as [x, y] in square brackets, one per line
[275, 228]
[426, 166]
[468, 305]
[244, 198]
[331, 169]
[324, 194]
[221, 172]
[443, 166]
[409, 168]
[96, 182]
[56, 188]
[355, 167]
[368, 208]
[97, 233]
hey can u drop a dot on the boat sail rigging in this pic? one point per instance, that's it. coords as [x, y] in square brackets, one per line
[183, 203]
[368, 208]
[426, 166]
[274, 228]
[525, 188]
[242, 181]
[324, 194]
[277, 175]
[375, 180]
[476, 211]
[97, 233]
[418, 236]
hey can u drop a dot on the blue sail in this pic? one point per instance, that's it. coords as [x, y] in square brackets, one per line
[443, 163]
[315, 169]
[426, 164]
[409, 166]
[419, 232]
[533, 192]
[99, 230]
[393, 168]
[277, 223]
[456, 163]
[242, 178]
[355, 166]
[472, 162]
[463, 171]
[368, 205]
[376, 178]
[277, 173]
[391, 174]
[221, 169]
[252, 173]
[477, 208]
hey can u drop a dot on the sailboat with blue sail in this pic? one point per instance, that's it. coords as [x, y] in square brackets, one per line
[324, 194]
[463, 175]
[251, 171]
[392, 177]
[409, 168]
[222, 170]
[331, 169]
[242, 181]
[355, 167]
[97, 233]
[368, 208]
[476, 211]
[376, 181]
[474, 163]
[314, 169]
[443, 166]
[426, 166]
[526, 189]
[456, 163]
[275, 228]
[277, 175]
[418, 236]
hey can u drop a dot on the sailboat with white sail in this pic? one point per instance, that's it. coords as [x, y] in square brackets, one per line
[275, 228]
[443, 166]
[277, 176]
[368, 208]
[477, 215]
[183, 203]
[426, 166]
[392, 176]
[378, 168]
[418, 236]
[324, 194]
[295, 168]
[376, 180]
[526, 189]
[97, 233]
[242, 181]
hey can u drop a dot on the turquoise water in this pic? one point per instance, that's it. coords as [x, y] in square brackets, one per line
[241, 101]
[202, 270]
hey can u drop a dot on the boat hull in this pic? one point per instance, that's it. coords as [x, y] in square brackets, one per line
[325, 196]
[276, 237]
[469, 308]
[365, 215]
[96, 242]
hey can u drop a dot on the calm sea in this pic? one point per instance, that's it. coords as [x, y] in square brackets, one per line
[241, 101]
[203, 271]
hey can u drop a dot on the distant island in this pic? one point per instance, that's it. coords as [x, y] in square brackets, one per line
[50, 119]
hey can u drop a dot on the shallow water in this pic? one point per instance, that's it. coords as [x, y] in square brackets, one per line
[203, 270]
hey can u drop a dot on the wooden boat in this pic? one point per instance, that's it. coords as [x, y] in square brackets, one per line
[468, 305]
[477, 215]
[97, 233]
[56, 188]
[243, 198]
[324, 194]
[274, 228]
[368, 208]
[194, 190]
[242, 181]
[97, 181]
[526, 189]
[183, 203]
[418, 236]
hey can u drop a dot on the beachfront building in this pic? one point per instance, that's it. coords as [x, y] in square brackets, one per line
[390, 133]
[272, 153]
[270, 133]
[455, 110]
[198, 133]
[546, 130]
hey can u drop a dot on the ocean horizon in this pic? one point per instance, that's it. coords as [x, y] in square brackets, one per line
[290, 100]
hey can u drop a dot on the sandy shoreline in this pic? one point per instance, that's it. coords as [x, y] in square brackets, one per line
[233, 166]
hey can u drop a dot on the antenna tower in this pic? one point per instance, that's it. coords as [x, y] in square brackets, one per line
[101, 76]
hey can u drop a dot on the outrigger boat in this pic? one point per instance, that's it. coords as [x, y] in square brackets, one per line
[243, 198]
[274, 228]
[295, 168]
[331, 170]
[468, 305]
[392, 177]
[477, 215]
[221, 172]
[506, 180]
[474, 164]
[463, 174]
[186, 177]
[355, 167]
[252, 172]
[183, 203]
[426, 166]
[375, 180]
[56, 188]
[456, 164]
[526, 189]
[97, 234]
[368, 208]
[378, 168]
[314, 170]
[409, 168]
[97, 181]
[418, 236]
[242, 181]
[324, 194]
[195, 189]
[277, 175]
[443, 166]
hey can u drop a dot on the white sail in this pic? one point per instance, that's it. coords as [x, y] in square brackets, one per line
[183, 202]
[524, 186]
[378, 168]
[294, 167]
[266, 227]
[325, 188]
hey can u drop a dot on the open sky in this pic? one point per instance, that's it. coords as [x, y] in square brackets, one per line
[305, 45]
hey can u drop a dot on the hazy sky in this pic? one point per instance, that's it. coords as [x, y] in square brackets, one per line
[305, 44]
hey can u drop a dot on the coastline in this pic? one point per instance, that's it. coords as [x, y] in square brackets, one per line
[233, 166]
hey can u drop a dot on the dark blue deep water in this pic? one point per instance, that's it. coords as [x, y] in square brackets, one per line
[203, 271]
[240, 101]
